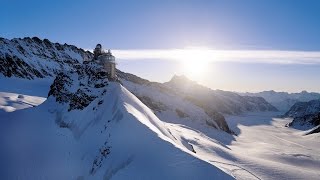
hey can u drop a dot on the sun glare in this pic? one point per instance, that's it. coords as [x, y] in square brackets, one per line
[194, 61]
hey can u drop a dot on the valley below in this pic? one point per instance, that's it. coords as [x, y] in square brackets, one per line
[266, 149]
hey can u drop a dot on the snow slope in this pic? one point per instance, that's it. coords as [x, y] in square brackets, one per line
[114, 136]
[10, 101]
[17, 93]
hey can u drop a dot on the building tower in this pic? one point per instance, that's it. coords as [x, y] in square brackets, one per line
[107, 60]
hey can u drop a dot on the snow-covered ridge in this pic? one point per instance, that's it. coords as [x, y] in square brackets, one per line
[306, 115]
[113, 135]
[34, 58]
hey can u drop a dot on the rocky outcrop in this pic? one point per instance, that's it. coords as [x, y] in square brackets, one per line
[79, 88]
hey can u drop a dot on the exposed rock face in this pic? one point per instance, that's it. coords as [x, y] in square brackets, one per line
[306, 115]
[13, 66]
[81, 87]
[34, 58]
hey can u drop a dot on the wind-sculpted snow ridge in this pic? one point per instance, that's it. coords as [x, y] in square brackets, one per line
[306, 115]
[89, 128]
[34, 58]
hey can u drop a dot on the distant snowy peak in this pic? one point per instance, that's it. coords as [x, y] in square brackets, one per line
[180, 80]
[306, 115]
[183, 84]
[35, 58]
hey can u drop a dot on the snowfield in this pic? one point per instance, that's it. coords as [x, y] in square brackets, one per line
[16, 93]
[123, 139]
[264, 149]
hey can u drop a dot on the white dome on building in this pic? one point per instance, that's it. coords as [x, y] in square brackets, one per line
[107, 60]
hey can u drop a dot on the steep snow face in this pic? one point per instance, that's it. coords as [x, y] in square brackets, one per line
[221, 101]
[283, 100]
[306, 115]
[34, 58]
[170, 106]
[109, 135]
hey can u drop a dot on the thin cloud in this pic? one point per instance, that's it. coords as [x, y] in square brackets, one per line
[210, 55]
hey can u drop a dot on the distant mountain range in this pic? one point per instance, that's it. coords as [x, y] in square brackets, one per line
[303, 107]
[283, 101]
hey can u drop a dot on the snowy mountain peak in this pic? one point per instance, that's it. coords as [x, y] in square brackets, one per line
[35, 58]
[180, 78]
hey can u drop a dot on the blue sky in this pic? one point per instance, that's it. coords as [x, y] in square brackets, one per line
[247, 25]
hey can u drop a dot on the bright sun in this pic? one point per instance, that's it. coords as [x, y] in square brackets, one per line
[194, 61]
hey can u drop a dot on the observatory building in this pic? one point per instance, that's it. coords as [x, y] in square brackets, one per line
[106, 59]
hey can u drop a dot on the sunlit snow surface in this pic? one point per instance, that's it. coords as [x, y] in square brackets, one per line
[142, 146]
[264, 149]
[16, 93]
